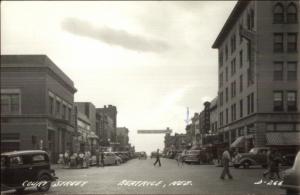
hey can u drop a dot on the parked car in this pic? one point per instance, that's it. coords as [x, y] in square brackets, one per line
[195, 156]
[111, 159]
[143, 155]
[256, 156]
[291, 179]
[18, 168]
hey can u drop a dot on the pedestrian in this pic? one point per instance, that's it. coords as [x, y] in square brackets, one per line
[275, 165]
[97, 158]
[270, 162]
[180, 159]
[225, 161]
[157, 158]
[102, 158]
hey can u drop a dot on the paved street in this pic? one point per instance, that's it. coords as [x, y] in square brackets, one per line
[200, 179]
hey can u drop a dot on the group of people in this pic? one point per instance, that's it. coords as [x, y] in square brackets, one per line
[80, 159]
[273, 160]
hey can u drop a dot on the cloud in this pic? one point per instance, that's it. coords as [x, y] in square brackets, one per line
[114, 37]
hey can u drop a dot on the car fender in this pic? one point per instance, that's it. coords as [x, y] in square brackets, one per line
[247, 159]
[47, 172]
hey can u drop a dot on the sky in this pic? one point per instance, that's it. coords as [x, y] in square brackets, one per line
[151, 59]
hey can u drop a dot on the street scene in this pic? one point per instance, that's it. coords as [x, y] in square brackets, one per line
[150, 97]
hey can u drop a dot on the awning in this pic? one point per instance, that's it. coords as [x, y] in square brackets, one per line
[92, 135]
[238, 143]
[286, 138]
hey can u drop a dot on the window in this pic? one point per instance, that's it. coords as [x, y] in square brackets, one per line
[241, 83]
[241, 27]
[221, 98]
[292, 13]
[241, 58]
[278, 42]
[241, 108]
[57, 107]
[226, 116]
[226, 94]
[221, 119]
[64, 111]
[233, 67]
[221, 80]
[233, 112]
[292, 42]
[278, 100]
[248, 21]
[69, 114]
[292, 71]
[220, 58]
[278, 15]
[16, 160]
[226, 51]
[51, 104]
[10, 103]
[248, 51]
[278, 71]
[252, 19]
[38, 158]
[250, 103]
[233, 89]
[233, 43]
[226, 73]
[292, 100]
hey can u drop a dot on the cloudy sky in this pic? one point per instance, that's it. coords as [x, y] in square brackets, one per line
[152, 59]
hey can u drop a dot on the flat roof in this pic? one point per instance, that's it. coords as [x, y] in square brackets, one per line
[230, 22]
[34, 61]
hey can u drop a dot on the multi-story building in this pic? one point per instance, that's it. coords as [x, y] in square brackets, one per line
[36, 105]
[122, 138]
[105, 129]
[259, 74]
[111, 112]
[86, 127]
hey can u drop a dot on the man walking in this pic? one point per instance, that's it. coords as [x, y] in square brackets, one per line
[225, 160]
[157, 158]
[102, 158]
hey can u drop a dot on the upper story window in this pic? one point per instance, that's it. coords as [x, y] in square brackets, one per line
[226, 51]
[233, 43]
[51, 105]
[278, 14]
[278, 100]
[241, 83]
[233, 67]
[241, 58]
[221, 98]
[226, 73]
[278, 42]
[292, 13]
[278, 71]
[220, 58]
[292, 71]
[10, 103]
[292, 42]
[57, 107]
[226, 94]
[221, 79]
[292, 100]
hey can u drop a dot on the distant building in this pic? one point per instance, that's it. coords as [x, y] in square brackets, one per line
[36, 105]
[86, 127]
[122, 138]
[111, 112]
[258, 95]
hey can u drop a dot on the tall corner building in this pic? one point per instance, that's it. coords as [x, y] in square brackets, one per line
[259, 75]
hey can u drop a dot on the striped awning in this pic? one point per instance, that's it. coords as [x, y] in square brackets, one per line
[239, 142]
[286, 138]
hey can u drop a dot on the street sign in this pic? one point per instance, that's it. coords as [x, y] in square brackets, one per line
[154, 131]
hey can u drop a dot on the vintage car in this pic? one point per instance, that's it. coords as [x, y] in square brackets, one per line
[111, 158]
[291, 178]
[256, 156]
[27, 168]
[195, 156]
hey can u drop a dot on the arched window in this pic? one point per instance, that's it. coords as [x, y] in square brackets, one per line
[278, 15]
[292, 13]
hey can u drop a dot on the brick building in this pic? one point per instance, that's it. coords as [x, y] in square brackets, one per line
[258, 94]
[36, 105]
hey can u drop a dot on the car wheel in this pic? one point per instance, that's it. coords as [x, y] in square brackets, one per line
[246, 164]
[45, 187]
[20, 190]
[117, 162]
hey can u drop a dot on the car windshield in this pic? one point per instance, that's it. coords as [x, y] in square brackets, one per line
[253, 151]
[2, 161]
[194, 152]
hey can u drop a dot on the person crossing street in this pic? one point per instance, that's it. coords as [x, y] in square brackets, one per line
[157, 158]
[225, 161]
